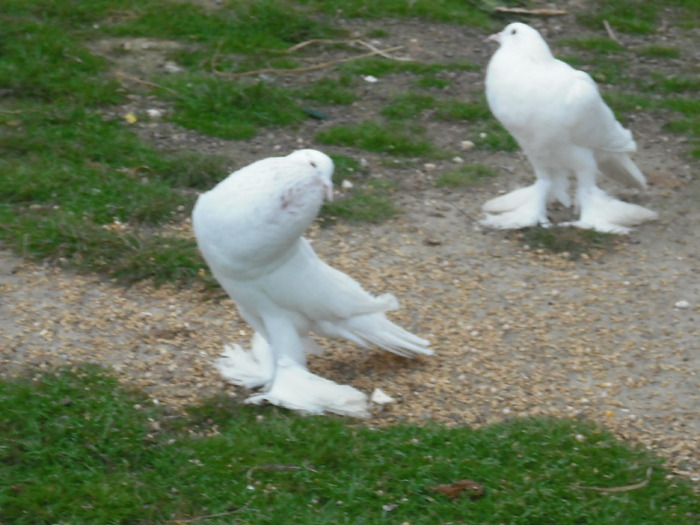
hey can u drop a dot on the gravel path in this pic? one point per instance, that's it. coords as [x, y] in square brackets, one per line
[613, 337]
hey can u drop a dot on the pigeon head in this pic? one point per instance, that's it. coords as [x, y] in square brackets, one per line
[522, 39]
[322, 165]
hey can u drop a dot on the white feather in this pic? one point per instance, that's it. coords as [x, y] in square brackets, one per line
[298, 389]
[249, 229]
[564, 127]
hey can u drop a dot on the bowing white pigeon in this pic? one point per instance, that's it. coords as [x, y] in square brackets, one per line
[249, 229]
[559, 119]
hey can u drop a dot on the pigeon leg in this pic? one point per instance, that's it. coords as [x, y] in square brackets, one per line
[521, 208]
[560, 189]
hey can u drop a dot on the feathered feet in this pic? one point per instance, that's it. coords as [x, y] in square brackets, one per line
[520, 208]
[296, 388]
[603, 213]
[250, 369]
[287, 383]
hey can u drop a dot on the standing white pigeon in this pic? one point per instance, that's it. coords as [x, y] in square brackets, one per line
[563, 125]
[249, 228]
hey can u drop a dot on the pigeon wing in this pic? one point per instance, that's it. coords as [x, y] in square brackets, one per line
[593, 125]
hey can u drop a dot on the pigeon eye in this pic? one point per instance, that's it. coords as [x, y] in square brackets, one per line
[513, 31]
[313, 163]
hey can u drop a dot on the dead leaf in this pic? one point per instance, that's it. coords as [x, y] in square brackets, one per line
[463, 487]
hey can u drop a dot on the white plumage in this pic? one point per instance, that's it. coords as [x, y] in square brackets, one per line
[563, 125]
[249, 229]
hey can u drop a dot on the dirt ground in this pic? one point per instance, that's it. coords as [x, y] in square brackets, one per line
[613, 336]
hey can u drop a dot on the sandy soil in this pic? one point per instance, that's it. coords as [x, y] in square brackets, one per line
[613, 336]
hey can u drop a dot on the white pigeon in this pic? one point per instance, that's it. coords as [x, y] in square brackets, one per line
[249, 229]
[559, 119]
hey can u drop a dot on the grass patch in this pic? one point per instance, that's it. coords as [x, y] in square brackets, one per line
[658, 51]
[409, 105]
[241, 27]
[346, 168]
[79, 448]
[433, 81]
[474, 13]
[331, 91]
[567, 240]
[597, 44]
[76, 172]
[634, 17]
[370, 203]
[379, 67]
[377, 137]
[465, 175]
[492, 136]
[229, 109]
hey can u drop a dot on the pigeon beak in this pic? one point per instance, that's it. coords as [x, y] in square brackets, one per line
[329, 190]
[496, 37]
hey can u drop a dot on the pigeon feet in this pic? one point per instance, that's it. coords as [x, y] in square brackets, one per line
[603, 213]
[251, 369]
[296, 388]
[520, 208]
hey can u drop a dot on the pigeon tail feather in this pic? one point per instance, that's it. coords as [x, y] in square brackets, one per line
[296, 388]
[620, 168]
[375, 329]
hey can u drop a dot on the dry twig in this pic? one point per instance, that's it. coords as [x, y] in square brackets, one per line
[273, 466]
[626, 488]
[121, 75]
[533, 12]
[374, 51]
[610, 32]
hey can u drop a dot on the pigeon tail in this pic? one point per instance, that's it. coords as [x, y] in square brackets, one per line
[375, 329]
[603, 213]
[620, 168]
[250, 369]
[296, 388]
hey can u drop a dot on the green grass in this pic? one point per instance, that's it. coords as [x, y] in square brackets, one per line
[598, 44]
[369, 203]
[562, 239]
[229, 109]
[78, 448]
[659, 51]
[379, 137]
[410, 105]
[465, 175]
[332, 91]
[637, 17]
[379, 67]
[473, 13]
